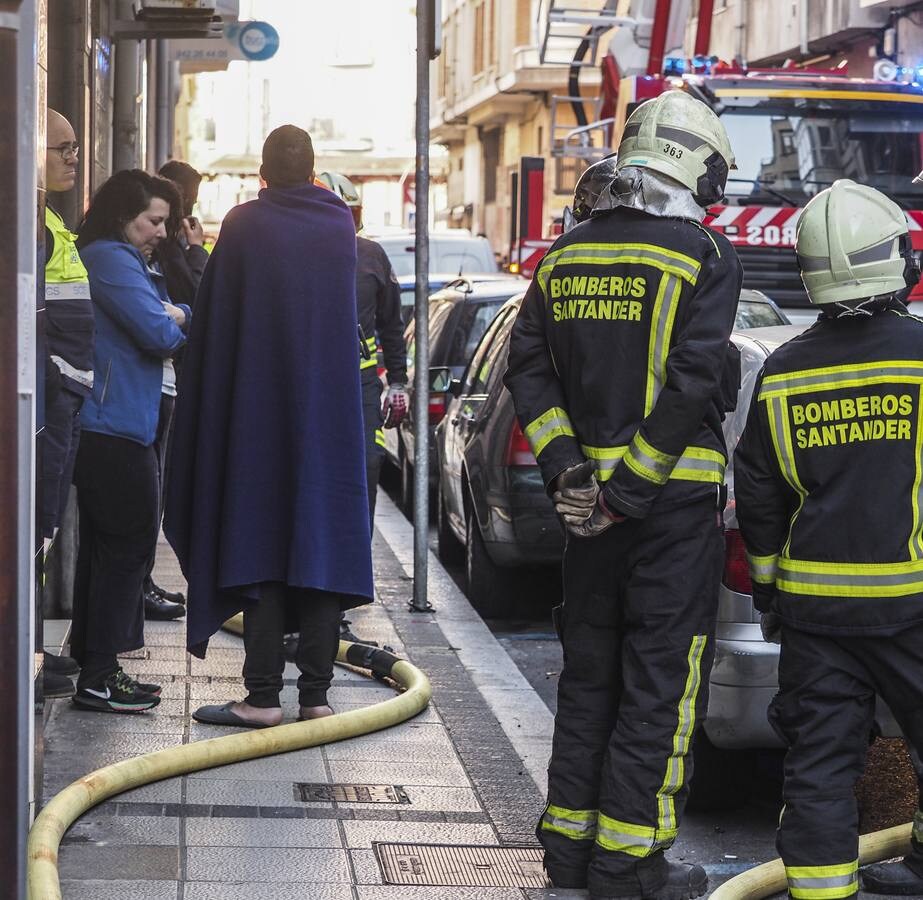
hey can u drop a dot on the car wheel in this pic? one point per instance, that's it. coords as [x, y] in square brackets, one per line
[450, 548]
[489, 587]
[721, 779]
[406, 486]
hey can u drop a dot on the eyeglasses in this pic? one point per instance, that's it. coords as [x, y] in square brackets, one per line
[67, 151]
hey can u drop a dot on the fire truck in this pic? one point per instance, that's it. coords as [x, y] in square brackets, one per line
[794, 132]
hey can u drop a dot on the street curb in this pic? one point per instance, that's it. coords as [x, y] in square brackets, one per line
[521, 712]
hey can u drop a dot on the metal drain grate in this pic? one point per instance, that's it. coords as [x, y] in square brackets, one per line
[453, 866]
[350, 793]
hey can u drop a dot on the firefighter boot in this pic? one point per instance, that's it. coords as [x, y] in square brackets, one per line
[898, 879]
[684, 882]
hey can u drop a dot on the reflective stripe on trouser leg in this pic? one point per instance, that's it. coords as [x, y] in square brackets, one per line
[823, 882]
[576, 824]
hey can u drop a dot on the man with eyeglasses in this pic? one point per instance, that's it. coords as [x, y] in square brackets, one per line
[69, 335]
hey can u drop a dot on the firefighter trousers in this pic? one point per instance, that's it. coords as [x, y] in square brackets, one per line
[824, 712]
[637, 628]
[374, 436]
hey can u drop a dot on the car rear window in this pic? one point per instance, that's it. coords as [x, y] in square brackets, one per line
[752, 314]
[474, 321]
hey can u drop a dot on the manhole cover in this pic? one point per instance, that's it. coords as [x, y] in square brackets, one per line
[448, 865]
[350, 793]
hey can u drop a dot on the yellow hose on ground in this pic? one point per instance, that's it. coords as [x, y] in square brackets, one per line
[63, 809]
[769, 878]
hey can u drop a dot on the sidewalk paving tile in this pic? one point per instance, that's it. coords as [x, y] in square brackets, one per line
[303, 833]
[272, 864]
[263, 890]
[96, 889]
[93, 828]
[360, 835]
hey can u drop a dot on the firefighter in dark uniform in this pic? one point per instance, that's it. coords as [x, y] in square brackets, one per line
[378, 296]
[618, 367]
[829, 488]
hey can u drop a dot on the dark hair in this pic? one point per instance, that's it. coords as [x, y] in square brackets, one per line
[288, 157]
[124, 197]
[186, 178]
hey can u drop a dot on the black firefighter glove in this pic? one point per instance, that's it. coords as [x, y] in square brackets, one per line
[771, 626]
[578, 501]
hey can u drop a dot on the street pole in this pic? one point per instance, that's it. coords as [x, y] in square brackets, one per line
[425, 29]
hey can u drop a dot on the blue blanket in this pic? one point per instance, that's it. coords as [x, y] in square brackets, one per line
[267, 466]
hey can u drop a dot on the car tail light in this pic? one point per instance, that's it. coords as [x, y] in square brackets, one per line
[518, 451]
[437, 406]
[736, 568]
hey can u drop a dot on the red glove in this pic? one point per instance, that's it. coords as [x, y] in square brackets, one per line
[395, 406]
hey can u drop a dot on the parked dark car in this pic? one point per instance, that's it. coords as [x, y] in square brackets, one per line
[459, 315]
[437, 282]
[492, 511]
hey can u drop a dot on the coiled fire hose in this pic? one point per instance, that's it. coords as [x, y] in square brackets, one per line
[769, 878]
[66, 807]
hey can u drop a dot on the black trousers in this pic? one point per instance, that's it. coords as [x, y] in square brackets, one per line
[161, 447]
[637, 628]
[265, 621]
[824, 712]
[117, 499]
[58, 447]
[374, 436]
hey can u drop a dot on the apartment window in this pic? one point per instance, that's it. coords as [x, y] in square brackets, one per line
[479, 38]
[490, 23]
[490, 143]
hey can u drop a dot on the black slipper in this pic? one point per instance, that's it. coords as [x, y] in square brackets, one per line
[224, 715]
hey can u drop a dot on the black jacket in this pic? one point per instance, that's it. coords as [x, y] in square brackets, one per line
[828, 476]
[619, 354]
[378, 295]
[182, 265]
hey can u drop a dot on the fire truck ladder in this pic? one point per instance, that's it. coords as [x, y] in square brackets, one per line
[564, 24]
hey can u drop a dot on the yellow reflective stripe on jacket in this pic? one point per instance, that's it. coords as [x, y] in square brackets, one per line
[682, 738]
[837, 377]
[763, 568]
[372, 345]
[915, 544]
[669, 261]
[831, 579]
[626, 837]
[648, 462]
[823, 882]
[576, 824]
[664, 315]
[65, 265]
[379, 437]
[696, 463]
[780, 433]
[549, 425]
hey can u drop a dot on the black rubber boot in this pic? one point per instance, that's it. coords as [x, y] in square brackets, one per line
[684, 882]
[895, 878]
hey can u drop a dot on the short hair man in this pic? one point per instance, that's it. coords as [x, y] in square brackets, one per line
[267, 506]
[69, 334]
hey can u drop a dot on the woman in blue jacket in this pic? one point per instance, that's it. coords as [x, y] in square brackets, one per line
[116, 473]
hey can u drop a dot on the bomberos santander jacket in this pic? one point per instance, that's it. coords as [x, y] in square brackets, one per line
[620, 354]
[828, 476]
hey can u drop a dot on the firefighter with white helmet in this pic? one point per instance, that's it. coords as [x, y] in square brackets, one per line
[619, 368]
[828, 477]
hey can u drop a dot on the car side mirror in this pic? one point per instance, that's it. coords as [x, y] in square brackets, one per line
[440, 379]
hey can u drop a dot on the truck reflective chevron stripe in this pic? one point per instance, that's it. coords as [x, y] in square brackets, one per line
[576, 824]
[626, 837]
[917, 832]
[67, 290]
[81, 376]
[836, 377]
[831, 579]
[379, 437]
[549, 425]
[763, 568]
[372, 345]
[664, 314]
[648, 462]
[823, 882]
[669, 261]
[682, 739]
[696, 463]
